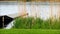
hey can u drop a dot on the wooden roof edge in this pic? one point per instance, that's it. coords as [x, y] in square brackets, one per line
[34, 0]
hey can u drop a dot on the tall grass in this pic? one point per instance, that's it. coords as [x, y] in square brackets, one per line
[38, 23]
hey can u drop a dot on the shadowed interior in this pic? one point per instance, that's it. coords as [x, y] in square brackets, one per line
[7, 20]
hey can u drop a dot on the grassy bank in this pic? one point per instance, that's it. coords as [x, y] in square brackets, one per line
[31, 25]
[29, 31]
[38, 23]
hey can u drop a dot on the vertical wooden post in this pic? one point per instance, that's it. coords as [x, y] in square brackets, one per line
[3, 21]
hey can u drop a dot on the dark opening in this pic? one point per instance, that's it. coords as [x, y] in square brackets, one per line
[7, 20]
[1, 22]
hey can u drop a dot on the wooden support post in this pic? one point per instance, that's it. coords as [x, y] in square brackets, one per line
[3, 21]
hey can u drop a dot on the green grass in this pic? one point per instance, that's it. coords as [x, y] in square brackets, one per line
[33, 26]
[38, 23]
[29, 31]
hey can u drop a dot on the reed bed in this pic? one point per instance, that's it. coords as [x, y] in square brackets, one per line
[36, 23]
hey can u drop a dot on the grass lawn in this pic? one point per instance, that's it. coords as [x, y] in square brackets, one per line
[29, 31]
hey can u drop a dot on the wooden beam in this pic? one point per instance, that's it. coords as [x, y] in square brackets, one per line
[3, 21]
[35, 0]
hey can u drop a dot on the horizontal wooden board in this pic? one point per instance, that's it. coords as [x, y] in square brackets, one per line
[34, 0]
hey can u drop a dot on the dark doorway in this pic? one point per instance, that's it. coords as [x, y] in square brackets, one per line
[6, 19]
